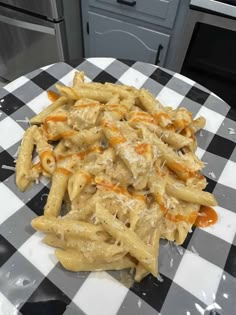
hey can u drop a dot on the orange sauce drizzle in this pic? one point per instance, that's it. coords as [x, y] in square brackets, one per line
[196, 175]
[207, 217]
[191, 218]
[141, 148]
[105, 185]
[159, 199]
[45, 154]
[116, 107]
[159, 116]
[37, 167]
[138, 119]
[181, 123]
[183, 171]
[87, 176]
[109, 125]
[52, 96]
[117, 140]
[81, 155]
[56, 118]
[63, 171]
[142, 117]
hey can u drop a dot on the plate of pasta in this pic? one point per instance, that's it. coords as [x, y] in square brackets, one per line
[125, 184]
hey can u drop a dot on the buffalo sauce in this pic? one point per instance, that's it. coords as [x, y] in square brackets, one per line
[141, 148]
[207, 216]
[105, 185]
[52, 96]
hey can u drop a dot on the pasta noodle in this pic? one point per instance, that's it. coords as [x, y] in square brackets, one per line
[123, 175]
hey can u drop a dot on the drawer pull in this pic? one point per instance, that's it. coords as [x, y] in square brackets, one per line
[130, 3]
[160, 47]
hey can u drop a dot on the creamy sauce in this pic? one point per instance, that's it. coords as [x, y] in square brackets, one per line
[207, 217]
[85, 105]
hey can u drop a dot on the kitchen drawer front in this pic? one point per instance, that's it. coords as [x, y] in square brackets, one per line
[110, 37]
[158, 12]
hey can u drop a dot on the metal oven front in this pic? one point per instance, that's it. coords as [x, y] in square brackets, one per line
[206, 49]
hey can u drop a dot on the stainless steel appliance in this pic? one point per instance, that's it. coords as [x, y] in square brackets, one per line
[35, 33]
[206, 50]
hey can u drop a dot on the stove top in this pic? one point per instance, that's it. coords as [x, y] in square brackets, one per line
[225, 8]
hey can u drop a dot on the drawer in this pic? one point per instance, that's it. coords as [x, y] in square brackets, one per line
[158, 12]
[114, 38]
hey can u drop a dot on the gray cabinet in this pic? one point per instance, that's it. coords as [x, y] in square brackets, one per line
[144, 30]
[161, 12]
[112, 37]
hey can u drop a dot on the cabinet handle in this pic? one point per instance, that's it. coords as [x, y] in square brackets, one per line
[130, 3]
[160, 47]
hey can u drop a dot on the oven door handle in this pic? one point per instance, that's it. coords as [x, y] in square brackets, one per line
[27, 25]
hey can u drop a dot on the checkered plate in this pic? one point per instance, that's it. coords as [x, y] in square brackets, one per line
[197, 278]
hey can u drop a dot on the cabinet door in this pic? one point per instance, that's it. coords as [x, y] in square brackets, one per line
[159, 12]
[114, 38]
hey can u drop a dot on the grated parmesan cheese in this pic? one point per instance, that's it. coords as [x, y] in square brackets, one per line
[26, 120]
[179, 249]
[159, 278]
[194, 251]
[232, 131]
[8, 167]
[139, 303]
[212, 175]
[17, 152]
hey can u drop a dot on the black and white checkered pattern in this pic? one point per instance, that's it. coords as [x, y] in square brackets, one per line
[198, 277]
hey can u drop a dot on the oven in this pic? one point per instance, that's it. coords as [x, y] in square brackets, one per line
[207, 47]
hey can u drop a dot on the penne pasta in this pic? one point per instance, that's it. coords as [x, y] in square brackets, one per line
[78, 79]
[77, 182]
[191, 195]
[130, 239]
[24, 160]
[72, 260]
[123, 174]
[39, 119]
[57, 192]
[68, 227]
[73, 94]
